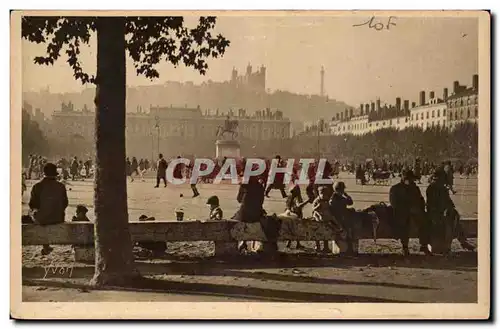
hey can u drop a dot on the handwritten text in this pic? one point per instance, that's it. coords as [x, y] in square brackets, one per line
[58, 270]
[380, 24]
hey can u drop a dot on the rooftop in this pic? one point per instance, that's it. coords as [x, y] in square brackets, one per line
[466, 92]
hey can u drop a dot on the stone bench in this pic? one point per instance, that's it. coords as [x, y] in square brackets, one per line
[225, 234]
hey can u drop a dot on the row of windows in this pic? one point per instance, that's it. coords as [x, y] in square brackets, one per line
[423, 125]
[432, 114]
[264, 133]
[165, 130]
[358, 126]
[462, 113]
[437, 123]
[462, 102]
[429, 114]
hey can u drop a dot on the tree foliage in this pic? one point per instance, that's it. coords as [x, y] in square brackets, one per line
[149, 40]
[32, 138]
[435, 144]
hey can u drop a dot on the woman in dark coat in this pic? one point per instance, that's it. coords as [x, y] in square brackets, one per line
[251, 199]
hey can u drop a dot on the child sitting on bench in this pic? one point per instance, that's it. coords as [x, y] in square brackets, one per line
[215, 209]
[80, 214]
[322, 213]
[294, 206]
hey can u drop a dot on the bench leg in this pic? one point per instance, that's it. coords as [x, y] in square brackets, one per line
[269, 247]
[339, 246]
[264, 247]
[226, 248]
[84, 254]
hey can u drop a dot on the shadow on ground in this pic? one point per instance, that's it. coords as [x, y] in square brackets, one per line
[252, 293]
[185, 265]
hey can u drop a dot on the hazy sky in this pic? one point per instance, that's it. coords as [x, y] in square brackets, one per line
[360, 63]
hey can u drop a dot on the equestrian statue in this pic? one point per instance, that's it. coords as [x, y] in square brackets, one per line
[229, 127]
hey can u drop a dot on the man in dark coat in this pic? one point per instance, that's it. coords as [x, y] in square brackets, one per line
[311, 189]
[128, 167]
[88, 166]
[48, 201]
[339, 203]
[408, 203]
[443, 215]
[196, 193]
[448, 174]
[134, 168]
[251, 199]
[161, 172]
[417, 170]
[74, 168]
[360, 174]
[279, 180]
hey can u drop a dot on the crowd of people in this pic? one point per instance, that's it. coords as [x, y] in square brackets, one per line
[74, 169]
[436, 217]
[372, 170]
[329, 203]
[79, 169]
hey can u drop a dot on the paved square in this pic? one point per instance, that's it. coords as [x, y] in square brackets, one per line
[162, 202]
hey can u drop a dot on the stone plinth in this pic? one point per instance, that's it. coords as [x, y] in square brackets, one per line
[227, 148]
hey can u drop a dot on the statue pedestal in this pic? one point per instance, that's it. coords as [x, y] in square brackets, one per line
[227, 148]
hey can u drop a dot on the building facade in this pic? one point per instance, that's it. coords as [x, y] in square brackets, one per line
[361, 125]
[447, 112]
[432, 114]
[175, 130]
[463, 103]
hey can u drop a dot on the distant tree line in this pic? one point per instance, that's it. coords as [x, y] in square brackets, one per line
[32, 138]
[435, 144]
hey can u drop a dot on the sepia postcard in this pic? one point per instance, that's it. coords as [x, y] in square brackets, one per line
[250, 165]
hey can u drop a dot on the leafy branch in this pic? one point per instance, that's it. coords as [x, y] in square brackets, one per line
[149, 40]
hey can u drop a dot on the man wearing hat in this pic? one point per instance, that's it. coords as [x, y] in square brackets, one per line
[161, 171]
[339, 203]
[408, 203]
[48, 200]
[279, 179]
[443, 215]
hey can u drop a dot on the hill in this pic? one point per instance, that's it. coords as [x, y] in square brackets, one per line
[210, 96]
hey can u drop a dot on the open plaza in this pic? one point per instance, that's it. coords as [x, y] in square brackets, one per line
[161, 203]
[189, 272]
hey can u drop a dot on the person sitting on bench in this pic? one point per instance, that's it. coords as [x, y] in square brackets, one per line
[48, 201]
[215, 209]
[80, 214]
[294, 206]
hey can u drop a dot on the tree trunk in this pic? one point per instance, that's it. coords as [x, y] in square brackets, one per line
[114, 258]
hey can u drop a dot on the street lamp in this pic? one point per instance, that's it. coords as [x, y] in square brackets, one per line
[345, 147]
[320, 129]
[152, 147]
[157, 126]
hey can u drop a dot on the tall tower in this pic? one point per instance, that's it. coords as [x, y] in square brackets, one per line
[322, 91]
